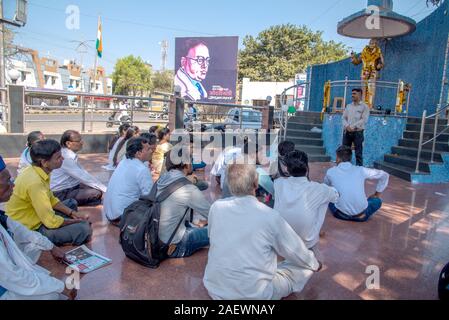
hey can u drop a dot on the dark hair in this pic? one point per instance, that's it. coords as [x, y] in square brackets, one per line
[192, 43]
[66, 136]
[33, 137]
[154, 129]
[297, 163]
[150, 137]
[43, 150]
[285, 147]
[135, 145]
[344, 153]
[123, 128]
[132, 130]
[357, 90]
[162, 133]
[170, 165]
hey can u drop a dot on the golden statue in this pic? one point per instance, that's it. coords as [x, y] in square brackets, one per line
[373, 61]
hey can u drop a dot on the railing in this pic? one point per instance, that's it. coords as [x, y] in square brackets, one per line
[89, 98]
[379, 85]
[436, 117]
[221, 117]
[283, 112]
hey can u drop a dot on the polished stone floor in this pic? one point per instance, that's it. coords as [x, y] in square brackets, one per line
[407, 242]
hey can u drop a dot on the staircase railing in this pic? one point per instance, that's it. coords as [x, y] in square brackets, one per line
[283, 114]
[422, 143]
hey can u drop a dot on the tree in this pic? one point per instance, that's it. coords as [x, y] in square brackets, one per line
[163, 81]
[132, 76]
[282, 51]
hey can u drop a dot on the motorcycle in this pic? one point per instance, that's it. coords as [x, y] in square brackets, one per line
[123, 117]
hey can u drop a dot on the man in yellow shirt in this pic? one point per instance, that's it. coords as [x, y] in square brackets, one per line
[34, 205]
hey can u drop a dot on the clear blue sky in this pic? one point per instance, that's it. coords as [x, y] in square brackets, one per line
[137, 26]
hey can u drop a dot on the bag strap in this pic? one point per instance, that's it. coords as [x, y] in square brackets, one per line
[172, 188]
[177, 227]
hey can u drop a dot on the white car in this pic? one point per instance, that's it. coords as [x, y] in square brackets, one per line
[251, 119]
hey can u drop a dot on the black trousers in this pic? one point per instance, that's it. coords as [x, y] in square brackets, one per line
[356, 137]
[84, 195]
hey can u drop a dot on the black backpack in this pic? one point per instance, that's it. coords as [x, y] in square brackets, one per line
[139, 227]
[443, 284]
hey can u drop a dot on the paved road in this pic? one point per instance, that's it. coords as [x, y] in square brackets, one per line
[57, 123]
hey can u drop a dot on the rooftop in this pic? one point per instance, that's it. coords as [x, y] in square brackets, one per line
[407, 240]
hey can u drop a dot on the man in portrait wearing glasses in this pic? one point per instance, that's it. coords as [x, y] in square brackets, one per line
[194, 67]
[72, 181]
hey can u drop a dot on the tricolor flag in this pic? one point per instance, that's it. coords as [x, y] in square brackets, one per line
[99, 40]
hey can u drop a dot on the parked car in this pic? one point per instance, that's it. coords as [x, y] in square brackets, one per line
[250, 119]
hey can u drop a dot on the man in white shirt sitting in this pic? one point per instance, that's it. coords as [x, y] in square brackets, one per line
[131, 180]
[246, 238]
[72, 181]
[301, 202]
[349, 180]
[20, 248]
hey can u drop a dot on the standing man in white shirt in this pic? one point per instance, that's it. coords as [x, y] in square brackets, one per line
[355, 119]
[72, 181]
[349, 180]
[301, 202]
[246, 238]
[131, 180]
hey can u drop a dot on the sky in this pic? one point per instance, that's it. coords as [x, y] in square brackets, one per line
[137, 27]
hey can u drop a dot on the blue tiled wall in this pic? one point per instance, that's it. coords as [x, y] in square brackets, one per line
[417, 58]
[381, 134]
[439, 173]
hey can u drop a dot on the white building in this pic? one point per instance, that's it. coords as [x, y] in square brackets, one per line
[255, 93]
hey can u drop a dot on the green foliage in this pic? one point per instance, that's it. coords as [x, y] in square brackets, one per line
[282, 51]
[132, 76]
[163, 81]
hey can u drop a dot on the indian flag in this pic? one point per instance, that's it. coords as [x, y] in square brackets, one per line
[99, 40]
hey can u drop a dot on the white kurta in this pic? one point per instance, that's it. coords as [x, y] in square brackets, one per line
[303, 204]
[22, 278]
[246, 238]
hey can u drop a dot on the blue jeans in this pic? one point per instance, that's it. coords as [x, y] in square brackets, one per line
[193, 240]
[374, 204]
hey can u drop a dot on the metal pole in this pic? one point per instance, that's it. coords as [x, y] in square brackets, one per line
[346, 92]
[446, 58]
[309, 88]
[241, 118]
[421, 137]
[132, 111]
[408, 98]
[2, 57]
[435, 128]
[83, 123]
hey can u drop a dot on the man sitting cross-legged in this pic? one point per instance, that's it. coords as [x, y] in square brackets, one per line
[34, 205]
[20, 248]
[131, 180]
[301, 202]
[349, 180]
[246, 238]
[72, 181]
[175, 210]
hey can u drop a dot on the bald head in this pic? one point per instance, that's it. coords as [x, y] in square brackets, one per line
[242, 179]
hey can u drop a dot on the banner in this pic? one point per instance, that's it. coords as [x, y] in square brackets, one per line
[206, 68]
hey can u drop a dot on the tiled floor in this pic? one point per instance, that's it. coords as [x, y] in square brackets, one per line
[407, 240]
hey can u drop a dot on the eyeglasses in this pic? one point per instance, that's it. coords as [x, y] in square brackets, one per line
[201, 60]
[76, 140]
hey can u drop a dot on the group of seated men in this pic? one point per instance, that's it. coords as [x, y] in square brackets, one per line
[244, 235]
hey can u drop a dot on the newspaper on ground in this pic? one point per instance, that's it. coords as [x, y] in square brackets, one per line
[84, 260]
